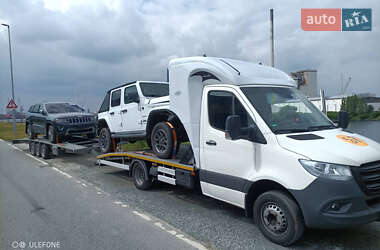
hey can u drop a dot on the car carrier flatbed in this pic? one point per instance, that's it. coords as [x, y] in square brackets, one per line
[42, 147]
[145, 166]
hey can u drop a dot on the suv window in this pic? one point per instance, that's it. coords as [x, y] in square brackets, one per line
[30, 110]
[106, 104]
[130, 94]
[36, 108]
[115, 98]
[222, 104]
[152, 89]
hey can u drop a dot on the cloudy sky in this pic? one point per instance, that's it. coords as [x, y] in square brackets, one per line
[75, 50]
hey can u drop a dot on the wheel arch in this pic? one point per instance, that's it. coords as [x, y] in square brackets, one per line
[156, 116]
[102, 123]
[259, 187]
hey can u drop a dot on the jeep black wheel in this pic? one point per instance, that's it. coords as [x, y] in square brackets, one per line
[105, 141]
[162, 140]
[278, 217]
[29, 130]
[52, 134]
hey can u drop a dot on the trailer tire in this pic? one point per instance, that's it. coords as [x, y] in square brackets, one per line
[141, 177]
[45, 151]
[31, 147]
[38, 149]
[162, 140]
[34, 148]
[278, 217]
[105, 141]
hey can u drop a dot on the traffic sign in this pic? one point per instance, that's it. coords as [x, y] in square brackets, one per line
[12, 104]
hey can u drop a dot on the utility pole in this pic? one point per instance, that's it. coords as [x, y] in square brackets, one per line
[13, 89]
[271, 39]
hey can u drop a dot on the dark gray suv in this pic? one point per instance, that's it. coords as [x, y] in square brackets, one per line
[58, 121]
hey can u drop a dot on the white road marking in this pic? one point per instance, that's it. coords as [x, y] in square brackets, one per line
[84, 185]
[1, 140]
[191, 242]
[61, 172]
[31, 156]
[145, 217]
[13, 146]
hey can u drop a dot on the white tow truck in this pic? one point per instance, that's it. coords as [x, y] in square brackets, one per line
[256, 142]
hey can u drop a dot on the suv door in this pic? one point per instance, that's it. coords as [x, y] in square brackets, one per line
[226, 164]
[115, 111]
[131, 113]
[38, 127]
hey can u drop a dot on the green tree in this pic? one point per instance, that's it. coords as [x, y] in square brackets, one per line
[354, 105]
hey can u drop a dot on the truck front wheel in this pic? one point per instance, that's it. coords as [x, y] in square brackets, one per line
[162, 140]
[278, 217]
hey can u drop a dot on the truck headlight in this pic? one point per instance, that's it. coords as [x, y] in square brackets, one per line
[327, 170]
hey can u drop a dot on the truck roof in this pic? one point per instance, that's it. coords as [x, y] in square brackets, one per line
[232, 71]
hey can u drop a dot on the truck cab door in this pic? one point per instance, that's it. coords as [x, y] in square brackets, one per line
[226, 165]
[131, 114]
[115, 111]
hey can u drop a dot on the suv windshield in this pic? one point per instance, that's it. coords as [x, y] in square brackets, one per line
[56, 108]
[286, 110]
[151, 89]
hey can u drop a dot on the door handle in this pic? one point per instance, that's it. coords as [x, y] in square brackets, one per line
[112, 113]
[211, 142]
[124, 111]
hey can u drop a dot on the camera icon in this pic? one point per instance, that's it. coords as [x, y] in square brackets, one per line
[18, 244]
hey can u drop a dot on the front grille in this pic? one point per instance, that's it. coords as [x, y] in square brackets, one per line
[368, 176]
[76, 120]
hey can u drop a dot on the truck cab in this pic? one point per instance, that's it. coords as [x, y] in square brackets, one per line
[260, 144]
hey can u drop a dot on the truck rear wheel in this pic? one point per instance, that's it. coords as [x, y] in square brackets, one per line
[38, 149]
[278, 217]
[105, 141]
[162, 140]
[141, 176]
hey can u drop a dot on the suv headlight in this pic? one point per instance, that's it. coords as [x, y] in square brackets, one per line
[327, 170]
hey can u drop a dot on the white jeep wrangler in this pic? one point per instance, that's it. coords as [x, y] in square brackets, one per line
[140, 111]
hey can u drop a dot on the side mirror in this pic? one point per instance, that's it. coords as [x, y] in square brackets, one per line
[233, 127]
[343, 119]
[44, 113]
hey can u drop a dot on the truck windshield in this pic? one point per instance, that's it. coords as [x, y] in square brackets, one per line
[57, 108]
[286, 110]
[152, 89]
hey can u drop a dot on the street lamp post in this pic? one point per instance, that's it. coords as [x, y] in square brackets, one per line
[13, 89]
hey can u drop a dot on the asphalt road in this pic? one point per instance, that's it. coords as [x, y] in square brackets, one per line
[41, 204]
[214, 224]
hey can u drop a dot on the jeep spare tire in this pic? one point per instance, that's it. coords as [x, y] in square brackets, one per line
[162, 140]
[105, 141]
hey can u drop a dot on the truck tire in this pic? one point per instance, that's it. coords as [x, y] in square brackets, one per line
[52, 134]
[105, 141]
[162, 140]
[278, 217]
[45, 151]
[141, 177]
[29, 130]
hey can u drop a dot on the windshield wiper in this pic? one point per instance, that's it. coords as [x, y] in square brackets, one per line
[288, 131]
[321, 127]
